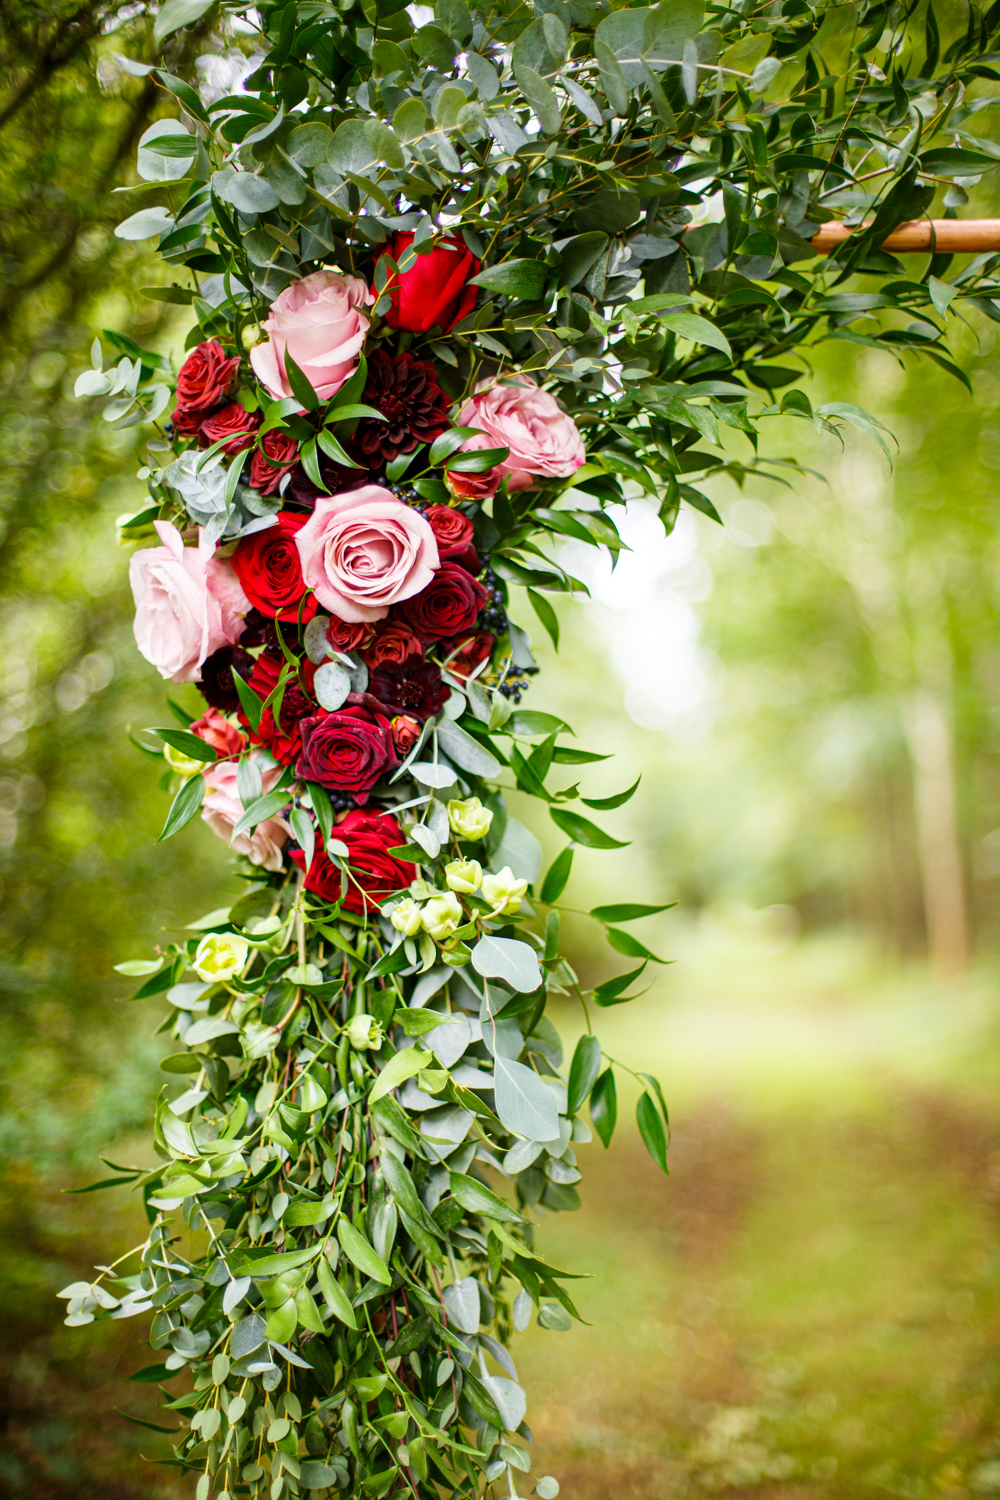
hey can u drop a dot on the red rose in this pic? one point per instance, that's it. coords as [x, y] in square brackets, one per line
[405, 733]
[343, 636]
[280, 456]
[187, 423]
[433, 292]
[448, 605]
[235, 424]
[205, 377]
[348, 750]
[415, 687]
[216, 730]
[472, 649]
[466, 485]
[393, 643]
[369, 837]
[452, 531]
[284, 737]
[270, 570]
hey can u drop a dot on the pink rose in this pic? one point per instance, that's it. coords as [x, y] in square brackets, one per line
[316, 321]
[188, 603]
[222, 810]
[520, 416]
[364, 550]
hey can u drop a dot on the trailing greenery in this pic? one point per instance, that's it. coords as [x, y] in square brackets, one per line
[346, 1294]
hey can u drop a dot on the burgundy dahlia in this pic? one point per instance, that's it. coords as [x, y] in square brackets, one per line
[406, 391]
[414, 687]
[217, 686]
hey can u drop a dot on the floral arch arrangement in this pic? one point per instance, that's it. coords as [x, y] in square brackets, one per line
[454, 294]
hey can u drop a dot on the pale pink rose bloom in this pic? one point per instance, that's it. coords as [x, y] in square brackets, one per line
[188, 603]
[316, 320]
[364, 550]
[222, 810]
[542, 439]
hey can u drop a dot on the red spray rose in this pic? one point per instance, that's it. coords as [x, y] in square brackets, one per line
[284, 737]
[345, 636]
[452, 531]
[415, 687]
[393, 643]
[472, 649]
[347, 751]
[469, 486]
[216, 730]
[268, 566]
[280, 456]
[205, 377]
[448, 605]
[368, 836]
[433, 292]
[187, 423]
[235, 424]
[453, 534]
[405, 733]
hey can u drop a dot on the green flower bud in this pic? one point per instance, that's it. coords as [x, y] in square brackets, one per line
[442, 915]
[184, 765]
[464, 875]
[503, 892]
[364, 1033]
[405, 917]
[220, 955]
[469, 819]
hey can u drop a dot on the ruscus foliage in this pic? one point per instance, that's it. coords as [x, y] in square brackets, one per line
[452, 295]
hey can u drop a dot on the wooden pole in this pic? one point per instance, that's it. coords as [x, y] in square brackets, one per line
[948, 236]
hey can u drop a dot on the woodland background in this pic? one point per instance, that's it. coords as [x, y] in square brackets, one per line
[810, 1304]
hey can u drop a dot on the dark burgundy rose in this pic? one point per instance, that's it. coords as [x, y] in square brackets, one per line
[343, 636]
[279, 458]
[405, 733]
[472, 650]
[283, 737]
[376, 873]
[348, 750]
[205, 377]
[270, 570]
[406, 391]
[468, 559]
[415, 687]
[232, 422]
[217, 686]
[447, 606]
[452, 531]
[393, 643]
[433, 293]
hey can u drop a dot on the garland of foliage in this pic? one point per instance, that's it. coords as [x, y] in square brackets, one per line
[449, 306]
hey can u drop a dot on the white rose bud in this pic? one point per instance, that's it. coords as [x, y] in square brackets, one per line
[364, 1033]
[464, 875]
[405, 917]
[442, 915]
[503, 892]
[220, 955]
[469, 819]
